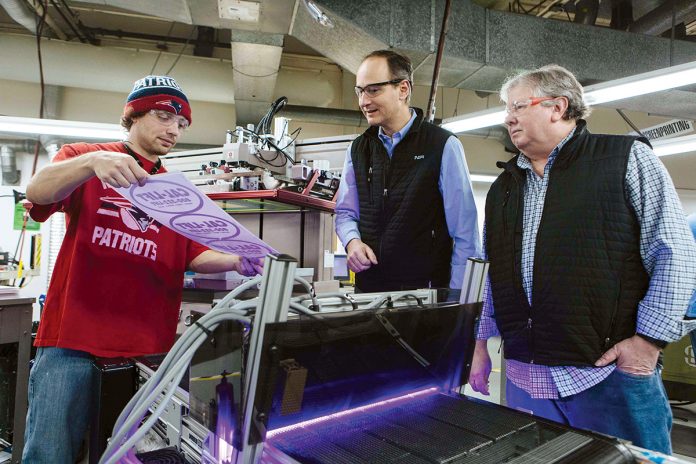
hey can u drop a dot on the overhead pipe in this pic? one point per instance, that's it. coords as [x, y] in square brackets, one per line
[8, 163]
[17, 9]
[658, 20]
[323, 115]
[23, 145]
[430, 112]
[53, 98]
[355, 118]
[336, 116]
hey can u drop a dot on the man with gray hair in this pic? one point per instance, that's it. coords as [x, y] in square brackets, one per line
[586, 294]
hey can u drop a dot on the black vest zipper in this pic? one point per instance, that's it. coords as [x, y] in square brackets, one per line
[607, 338]
[385, 179]
[520, 199]
[505, 201]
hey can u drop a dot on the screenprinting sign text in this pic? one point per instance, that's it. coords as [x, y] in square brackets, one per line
[667, 130]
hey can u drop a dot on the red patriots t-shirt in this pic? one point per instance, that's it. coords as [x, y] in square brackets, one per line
[116, 286]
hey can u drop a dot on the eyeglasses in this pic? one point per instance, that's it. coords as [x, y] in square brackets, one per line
[169, 119]
[519, 105]
[372, 90]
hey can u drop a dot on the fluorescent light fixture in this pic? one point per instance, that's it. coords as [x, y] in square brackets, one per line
[76, 129]
[618, 89]
[477, 120]
[483, 178]
[641, 84]
[674, 145]
[318, 15]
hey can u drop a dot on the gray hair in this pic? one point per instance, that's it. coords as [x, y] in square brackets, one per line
[551, 81]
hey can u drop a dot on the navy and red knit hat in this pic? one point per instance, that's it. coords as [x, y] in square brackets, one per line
[159, 93]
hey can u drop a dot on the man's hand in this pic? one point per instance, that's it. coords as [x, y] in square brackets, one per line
[480, 368]
[211, 261]
[249, 266]
[360, 256]
[634, 355]
[117, 169]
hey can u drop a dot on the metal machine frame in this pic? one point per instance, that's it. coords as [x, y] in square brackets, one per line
[274, 300]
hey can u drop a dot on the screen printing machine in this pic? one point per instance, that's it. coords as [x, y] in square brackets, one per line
[339, 378]
[299, 377]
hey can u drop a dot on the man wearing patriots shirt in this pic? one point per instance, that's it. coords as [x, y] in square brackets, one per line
[116, 288]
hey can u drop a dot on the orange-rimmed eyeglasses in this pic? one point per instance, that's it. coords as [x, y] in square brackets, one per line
[519, 105]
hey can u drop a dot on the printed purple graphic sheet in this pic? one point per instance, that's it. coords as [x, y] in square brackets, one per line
[175, 202]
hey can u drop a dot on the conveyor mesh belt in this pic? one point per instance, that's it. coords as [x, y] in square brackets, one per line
[458, 439]
[436, 430]
[551, 451]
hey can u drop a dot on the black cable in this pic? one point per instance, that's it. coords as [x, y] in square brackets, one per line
[296, 131]
[169, 32]
[629, 122]
[251, 75]
[270, 161]
[280, 151]
[259, 140]
[521, 8]
[181, 52]
[263, 131]
[263, 127]
[456, 105]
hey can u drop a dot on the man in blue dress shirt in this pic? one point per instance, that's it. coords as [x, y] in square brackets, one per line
[405, 210]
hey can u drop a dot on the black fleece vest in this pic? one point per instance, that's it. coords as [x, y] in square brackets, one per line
[402, 215]
[588, 273]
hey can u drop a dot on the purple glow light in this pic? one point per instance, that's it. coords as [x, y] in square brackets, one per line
[391, 401]
[220, 443]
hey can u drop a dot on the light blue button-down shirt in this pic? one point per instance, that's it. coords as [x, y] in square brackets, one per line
[457, 195]
[667, 251]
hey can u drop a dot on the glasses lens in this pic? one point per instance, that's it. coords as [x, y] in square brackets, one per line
[373, 90]
[517, 106]
[169, 119]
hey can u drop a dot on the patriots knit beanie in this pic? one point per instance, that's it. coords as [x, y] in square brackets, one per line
[159, 93]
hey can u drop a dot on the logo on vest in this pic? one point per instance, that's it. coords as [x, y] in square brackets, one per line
[419, 157]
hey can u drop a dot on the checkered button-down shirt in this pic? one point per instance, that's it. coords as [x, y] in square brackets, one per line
[667, 250]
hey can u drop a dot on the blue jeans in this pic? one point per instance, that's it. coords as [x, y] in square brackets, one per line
[623, 405]
[61, 385]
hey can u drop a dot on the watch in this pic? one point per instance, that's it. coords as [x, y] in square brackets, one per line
[658, 343]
